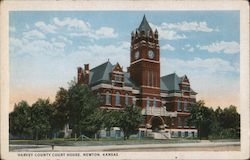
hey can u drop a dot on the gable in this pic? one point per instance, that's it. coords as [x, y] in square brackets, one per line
[117, 68]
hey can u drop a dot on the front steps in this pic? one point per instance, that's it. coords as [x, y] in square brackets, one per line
[159, 135]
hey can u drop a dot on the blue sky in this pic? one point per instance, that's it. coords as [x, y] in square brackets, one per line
[46, 48]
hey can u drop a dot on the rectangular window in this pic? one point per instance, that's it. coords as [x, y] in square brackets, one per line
[179, 122]
[154, 102]
[118, 133]
[186, 123]
[179, 133]
[185, 105]
[152, 78]
[108, 98]
[186, 88]
[118, 78]
[126, 99]
[108, 133]
[142, 134]
[186, 134]
[148, 102]
[179, 105]
[117, 99]
[148, 79]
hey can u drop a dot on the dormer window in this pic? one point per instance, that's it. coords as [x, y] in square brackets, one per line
[118, 78]
[186, 88]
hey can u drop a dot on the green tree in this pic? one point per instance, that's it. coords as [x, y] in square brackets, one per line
[129, 120]
[202, 117]
[111, 118]
[19, 120]
[229, 120]
[215, 124]
[94, 122]
[41, 118]
[85, 116]
[62, 109]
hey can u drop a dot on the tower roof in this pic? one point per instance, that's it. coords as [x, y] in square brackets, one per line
[144, 26]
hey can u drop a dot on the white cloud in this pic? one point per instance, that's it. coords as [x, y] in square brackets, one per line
[64, 39]
[72, 23]
[60, 45]
[169, 31]
[105, 32]
[188, 26]
[171, 35]
[15, 44]
[33, 34]
[167, 34]
[125, 45]
[222, 46]
[167, 47]
[188, 47]
[211, 78]
[35, 47]
[98, 54]
[198, 65]
[12, 29]
[46, 28]
[27, 26]
[78, 28]
[191, 49]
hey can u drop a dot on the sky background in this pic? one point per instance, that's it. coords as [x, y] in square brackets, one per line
[47, 47]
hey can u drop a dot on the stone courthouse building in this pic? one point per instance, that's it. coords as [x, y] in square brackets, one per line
[142, 85]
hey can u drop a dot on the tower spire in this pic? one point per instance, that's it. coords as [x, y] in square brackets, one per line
[144, 26]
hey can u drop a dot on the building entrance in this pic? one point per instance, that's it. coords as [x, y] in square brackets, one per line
[156, 123]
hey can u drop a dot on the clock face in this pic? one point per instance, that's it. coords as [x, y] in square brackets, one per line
[137, 55]
[151, 54]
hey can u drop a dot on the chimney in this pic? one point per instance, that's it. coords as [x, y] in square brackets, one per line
[86, 73]
[128, 69]
[79, 75]
[156, 34]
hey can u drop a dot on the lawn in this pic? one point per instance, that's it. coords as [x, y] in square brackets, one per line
[106, 141]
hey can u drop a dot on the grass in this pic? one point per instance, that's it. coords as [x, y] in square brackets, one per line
[104, 141]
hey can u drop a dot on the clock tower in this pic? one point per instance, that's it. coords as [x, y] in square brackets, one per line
[145, 64]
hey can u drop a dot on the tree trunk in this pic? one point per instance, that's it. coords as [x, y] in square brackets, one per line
[200, 130]
[36, 134]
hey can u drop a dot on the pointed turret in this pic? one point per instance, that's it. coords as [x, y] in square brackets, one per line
[144, 26]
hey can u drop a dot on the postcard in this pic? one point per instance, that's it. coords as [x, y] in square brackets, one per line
[124, 80]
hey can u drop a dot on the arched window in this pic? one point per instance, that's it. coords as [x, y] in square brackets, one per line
[126, 99]
[154, 102]
[148, 102]
[117, 99]
[108, 98]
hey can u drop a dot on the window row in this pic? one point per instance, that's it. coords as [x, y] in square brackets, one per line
[150, 78]
[186, 105]
[117, 98]
[184, 122]
[151, 103]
